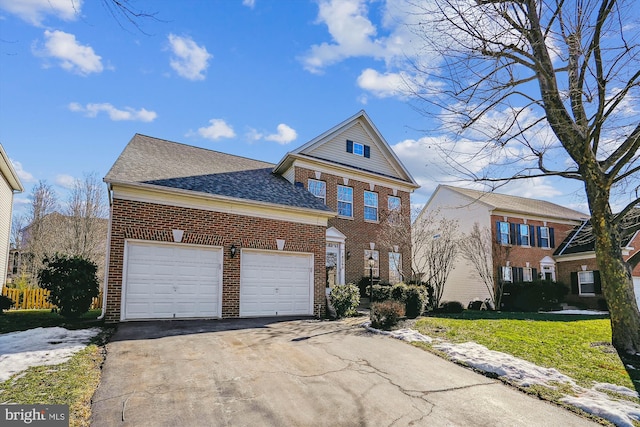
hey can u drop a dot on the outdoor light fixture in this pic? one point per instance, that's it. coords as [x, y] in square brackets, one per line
[233, 250]
[348, 254]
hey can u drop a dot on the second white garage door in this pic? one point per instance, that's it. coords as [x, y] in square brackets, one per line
[171, 281]
[275, 283]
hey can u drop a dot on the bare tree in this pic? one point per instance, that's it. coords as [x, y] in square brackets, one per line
[39, 235]
[546, 89]
[396, 233]
[477, 248]
[435, 248]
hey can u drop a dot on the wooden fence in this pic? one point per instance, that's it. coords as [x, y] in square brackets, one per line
[30, 299]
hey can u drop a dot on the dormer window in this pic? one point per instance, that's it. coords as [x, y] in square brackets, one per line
[358, 149]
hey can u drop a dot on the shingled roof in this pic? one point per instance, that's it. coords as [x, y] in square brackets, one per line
[520, 204]
[158, 162]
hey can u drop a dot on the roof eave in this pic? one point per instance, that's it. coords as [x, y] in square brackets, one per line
[9, 172]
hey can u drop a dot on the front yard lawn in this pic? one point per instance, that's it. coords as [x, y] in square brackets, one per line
[72, 382]
[576, 345]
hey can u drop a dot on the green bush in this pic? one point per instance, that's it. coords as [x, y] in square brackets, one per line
[381, 292]
[5, 303]
[72, 283]
[386, 314]
[399, 292]
[451, 307]
[533, 296]
[415, 300]
[345, 299]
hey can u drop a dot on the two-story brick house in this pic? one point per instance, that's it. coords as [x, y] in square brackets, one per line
[195, 233]
[525, 233]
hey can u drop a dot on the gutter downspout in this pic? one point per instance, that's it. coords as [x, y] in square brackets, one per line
[107, 256]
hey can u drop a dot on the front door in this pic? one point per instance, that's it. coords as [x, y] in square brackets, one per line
[333, 263]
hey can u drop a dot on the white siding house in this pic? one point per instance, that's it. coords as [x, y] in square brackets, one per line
[9, 184]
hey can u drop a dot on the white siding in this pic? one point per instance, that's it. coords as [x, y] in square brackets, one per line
[464, 284]
[6, 203]
[336, 150]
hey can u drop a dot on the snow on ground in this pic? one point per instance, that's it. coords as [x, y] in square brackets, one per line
[40, 346]
[523, 373]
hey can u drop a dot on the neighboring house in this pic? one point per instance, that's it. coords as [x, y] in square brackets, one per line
[525, 233]
[578, 267]
[196, 233]
[9, 184]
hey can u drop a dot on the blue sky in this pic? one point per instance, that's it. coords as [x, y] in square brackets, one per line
[255, 78]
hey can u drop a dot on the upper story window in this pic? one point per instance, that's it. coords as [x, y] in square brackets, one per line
[503, 232]
[393, 203]
[358, 149]
[370, 206]
[345, 201]
[376, 263]
[586, 283]
[318, 189]
[525, 238]
[544, 237]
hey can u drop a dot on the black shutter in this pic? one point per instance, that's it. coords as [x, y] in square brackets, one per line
[512, 234]
[538, 235]
[498, 232]
[518, 235]
[349, 146]
[518, 275]
[597, 284]
[534, 273]
[367, 151]
[532, 236]
[552, 240]
[574, 283]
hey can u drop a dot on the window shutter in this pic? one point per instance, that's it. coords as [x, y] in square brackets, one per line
[512, 233]
[574, 283]
[349, 146]
[518, 274]
[538, 235]
[597, 284]
[367, 151]
[552, 241]
[498, 231]
[532, 235]
[534, 274]
[518, 235]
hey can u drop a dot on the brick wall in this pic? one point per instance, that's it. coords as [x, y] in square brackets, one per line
[358, 231]
[155, 222]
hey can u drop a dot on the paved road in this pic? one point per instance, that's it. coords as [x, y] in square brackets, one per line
[266, 372]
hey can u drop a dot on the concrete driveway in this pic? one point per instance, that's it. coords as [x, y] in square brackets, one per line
[279, 372]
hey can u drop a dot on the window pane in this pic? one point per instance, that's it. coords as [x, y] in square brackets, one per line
[524, 235]
[394, 268]
[370, 206]
[393, 203]
[504, 233]
[318, 188]
[506, 274]
[345, 201]
[376, 265]
[527, 274]
[358, 149]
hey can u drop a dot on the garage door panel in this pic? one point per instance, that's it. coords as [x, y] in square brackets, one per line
[275, 283]
[171, 281]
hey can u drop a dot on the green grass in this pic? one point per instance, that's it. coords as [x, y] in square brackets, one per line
[577, 346]
[21, 320]
[71, 383]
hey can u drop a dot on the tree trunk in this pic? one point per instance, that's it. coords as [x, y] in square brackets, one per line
[617, 282]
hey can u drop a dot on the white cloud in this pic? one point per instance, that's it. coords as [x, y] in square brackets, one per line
[284, 135]
[249, 3]
[22, 174]
[35, 11]
[115, 114]
[66, 181]
[72, 56]
[189, 60]
[218, 129]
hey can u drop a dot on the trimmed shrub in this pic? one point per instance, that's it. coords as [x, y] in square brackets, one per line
[451, 307]
[399, 292]
[5, 303]
[345, 299]
[533, 296]
[386, 314]
[415, 300]
[381, 293]
[72, 282]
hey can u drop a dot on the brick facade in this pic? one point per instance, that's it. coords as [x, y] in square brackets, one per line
[155, 222]
[359, 232]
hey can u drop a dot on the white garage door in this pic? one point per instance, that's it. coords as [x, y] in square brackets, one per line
[166, 281]
[275, 283]
[636, 284]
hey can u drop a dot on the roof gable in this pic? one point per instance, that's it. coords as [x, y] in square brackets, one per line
[152, 162]
[333, 147]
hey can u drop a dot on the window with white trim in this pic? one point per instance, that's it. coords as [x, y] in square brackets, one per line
[395, 262]
[358, 149]
[503, 232]
[527, 274]
[345, 201]
[545, 241]
[370, 206]
[507, 274]
[318, 189]
[393, 204]
[376, 262]
[586, 283]
[525, 238]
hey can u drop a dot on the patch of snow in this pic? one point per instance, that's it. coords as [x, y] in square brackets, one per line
[619, 411]
[40, 347]
[583, 312]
